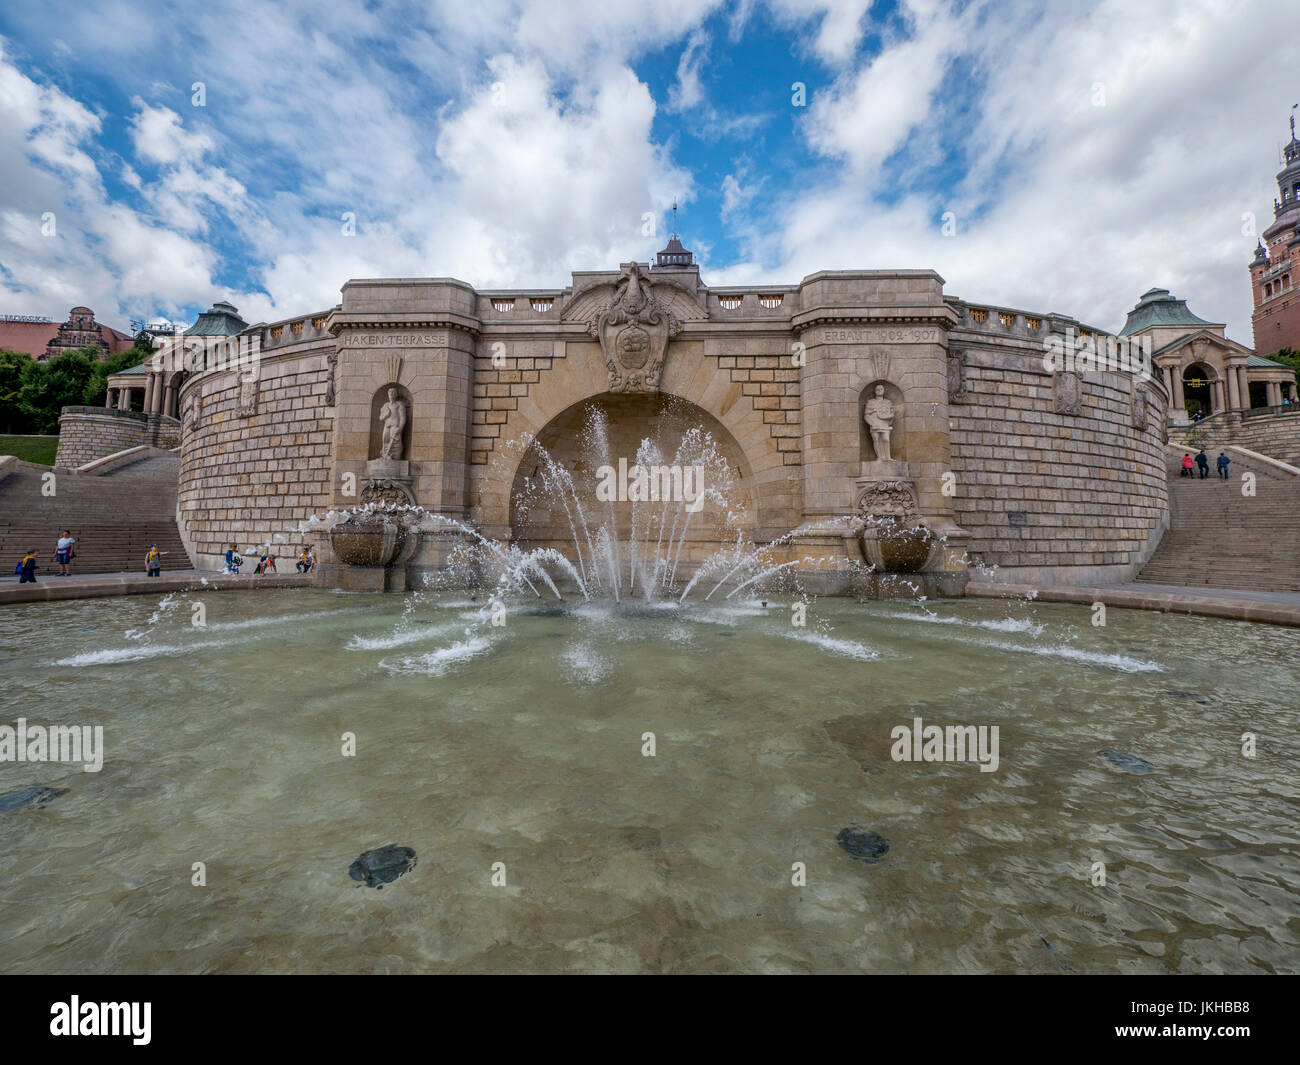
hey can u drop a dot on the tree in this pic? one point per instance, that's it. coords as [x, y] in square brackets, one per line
[97, 387]
[49, 386]
[13, 419]
[1288, 357]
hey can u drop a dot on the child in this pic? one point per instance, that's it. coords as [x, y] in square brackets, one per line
[268, 564]
[27, 569]
[233, 561]
[153, 560]
[305, 560]
[63, 554]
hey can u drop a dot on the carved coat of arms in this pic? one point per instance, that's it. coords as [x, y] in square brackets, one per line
[634, 330]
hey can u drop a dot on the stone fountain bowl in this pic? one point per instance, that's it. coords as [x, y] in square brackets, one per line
[892, 549]
[367, 540]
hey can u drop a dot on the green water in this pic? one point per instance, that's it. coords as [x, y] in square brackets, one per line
[522, 744]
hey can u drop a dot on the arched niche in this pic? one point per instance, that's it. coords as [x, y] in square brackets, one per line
[377, 402]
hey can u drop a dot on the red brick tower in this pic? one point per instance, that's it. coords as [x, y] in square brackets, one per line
[1276, 267]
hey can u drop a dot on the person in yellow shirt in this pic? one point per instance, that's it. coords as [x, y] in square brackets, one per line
[153, 560]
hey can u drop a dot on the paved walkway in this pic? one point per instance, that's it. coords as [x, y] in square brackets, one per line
[94, 585]
[1278, 608]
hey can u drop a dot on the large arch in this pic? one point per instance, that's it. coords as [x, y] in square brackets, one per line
[691, 376]
[610, 430]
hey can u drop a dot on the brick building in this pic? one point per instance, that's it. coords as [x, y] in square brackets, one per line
[1273, 270]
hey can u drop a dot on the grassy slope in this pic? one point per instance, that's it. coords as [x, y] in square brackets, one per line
[39, 449]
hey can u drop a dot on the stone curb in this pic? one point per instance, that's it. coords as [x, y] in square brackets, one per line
[49, 589]
[1208, 605]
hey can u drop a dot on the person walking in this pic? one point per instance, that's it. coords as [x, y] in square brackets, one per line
[1203, 463]
[153, 560]
[1223, 461]
[63, 553]
[26, 569]
[1187, 465]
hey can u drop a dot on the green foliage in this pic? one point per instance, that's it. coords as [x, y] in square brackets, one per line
[12, 366]
[1288, 357]
[97, 387]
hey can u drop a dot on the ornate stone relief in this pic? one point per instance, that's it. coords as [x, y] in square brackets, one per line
[247, 398]
[634, 330]
[1140, 402]
[1067, 391]
[385, 490]
[888, 499]
[957, 377]
[332, 361]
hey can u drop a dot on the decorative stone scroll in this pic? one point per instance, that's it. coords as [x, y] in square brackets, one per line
[634, 330]
[1067, 392]
[957, 377]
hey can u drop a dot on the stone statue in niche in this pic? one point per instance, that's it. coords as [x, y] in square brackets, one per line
[879, 416]
[1069, 392]
[393, 416]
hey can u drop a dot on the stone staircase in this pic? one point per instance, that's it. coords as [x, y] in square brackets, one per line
[1219, 538]
[114, 516]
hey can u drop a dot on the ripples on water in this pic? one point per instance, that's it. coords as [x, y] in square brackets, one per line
[522, 744]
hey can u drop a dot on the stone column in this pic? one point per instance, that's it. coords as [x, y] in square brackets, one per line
[1216, 395]
[123, 399]
[1243, 386]
[110, 397]
[1234, 393]
[1274, 397]
[1169, 385]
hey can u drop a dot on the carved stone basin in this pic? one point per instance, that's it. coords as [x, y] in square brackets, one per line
[894, 549]
[367, 540]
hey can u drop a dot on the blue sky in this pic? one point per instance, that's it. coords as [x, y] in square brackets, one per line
[1085, 150]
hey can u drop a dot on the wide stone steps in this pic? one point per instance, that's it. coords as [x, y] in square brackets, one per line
[1219, 538]
[114, 517]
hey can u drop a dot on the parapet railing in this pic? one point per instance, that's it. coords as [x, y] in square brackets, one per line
[1261, 412]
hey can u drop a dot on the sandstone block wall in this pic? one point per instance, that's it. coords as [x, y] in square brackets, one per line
[89, 433]
[1274, 435]
[1053, 496]
[255, 462]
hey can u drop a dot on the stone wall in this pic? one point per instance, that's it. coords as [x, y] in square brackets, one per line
[1048, 495]
[255, 457]
[89, 433]
[1274, 435]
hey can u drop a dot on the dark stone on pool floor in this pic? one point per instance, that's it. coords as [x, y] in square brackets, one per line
[32, 796]
[870, 847]
[1130, 763]
[1187, 695]
[382, 866]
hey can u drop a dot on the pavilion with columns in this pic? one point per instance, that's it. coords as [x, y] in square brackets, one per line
[1204, 371]
[156, 390]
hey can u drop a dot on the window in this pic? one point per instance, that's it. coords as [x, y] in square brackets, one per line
[730, 303]
[503, 306]
[770, 302]
[541, 304]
